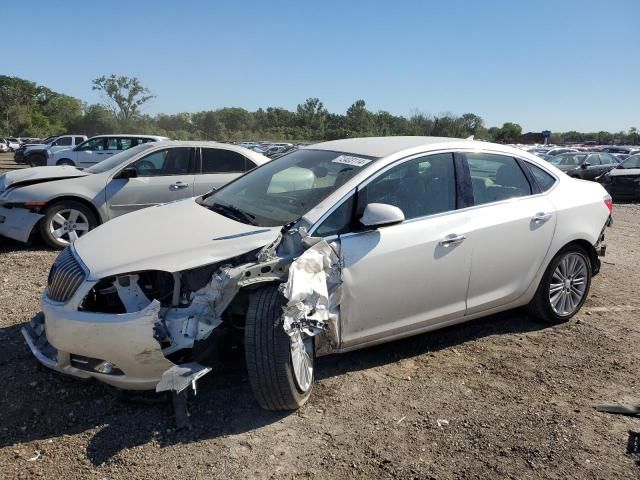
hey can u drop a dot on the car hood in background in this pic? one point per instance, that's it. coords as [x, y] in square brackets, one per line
[171, 237]
[28, 176]
[566, 168]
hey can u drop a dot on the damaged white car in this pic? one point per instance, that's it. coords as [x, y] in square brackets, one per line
[331, 248]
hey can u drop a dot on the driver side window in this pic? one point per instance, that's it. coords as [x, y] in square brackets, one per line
[95, 144]
[169, 161]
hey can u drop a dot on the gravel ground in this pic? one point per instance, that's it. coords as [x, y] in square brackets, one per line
[504, 397]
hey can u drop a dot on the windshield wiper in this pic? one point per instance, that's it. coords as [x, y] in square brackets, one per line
[234, 213]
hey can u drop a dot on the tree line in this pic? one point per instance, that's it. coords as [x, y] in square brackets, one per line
[31, 110]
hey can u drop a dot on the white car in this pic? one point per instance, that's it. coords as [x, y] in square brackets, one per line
[97, 149]
[64, 203]
[330, 248]
[13, 144]
[36, 154]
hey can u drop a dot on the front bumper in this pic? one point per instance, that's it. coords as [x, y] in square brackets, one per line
[18, 223]
[75, 342]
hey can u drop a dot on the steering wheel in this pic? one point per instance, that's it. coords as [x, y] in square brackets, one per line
[144, 165]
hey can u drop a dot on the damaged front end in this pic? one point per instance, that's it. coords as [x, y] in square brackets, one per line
[161, 330]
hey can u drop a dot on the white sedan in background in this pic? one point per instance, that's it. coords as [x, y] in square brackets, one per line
[63, 203]
[331, 248]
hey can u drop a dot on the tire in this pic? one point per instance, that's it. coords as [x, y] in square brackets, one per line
[268, 353]
[542, 305]
[36, 160]
[65, 161]
[82, 217]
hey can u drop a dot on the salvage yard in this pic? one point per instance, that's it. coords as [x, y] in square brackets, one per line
[502, 397]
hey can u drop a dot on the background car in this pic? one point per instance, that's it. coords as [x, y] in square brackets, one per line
[36, 154]
[64, 203]
[13, 143]
[18, 155]
[558, 150]
[584, 165]
[623, 182]
[97, 149]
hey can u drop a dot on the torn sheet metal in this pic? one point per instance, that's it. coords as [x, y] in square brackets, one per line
[184, 326]
[313, 292]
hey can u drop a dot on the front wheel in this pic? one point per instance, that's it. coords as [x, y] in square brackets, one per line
[65, 222]
[280, 366]
[65, 162]
[564, 286]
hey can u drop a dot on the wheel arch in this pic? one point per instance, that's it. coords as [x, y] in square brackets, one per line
[78, 199]
[64, 158]
[589, 249]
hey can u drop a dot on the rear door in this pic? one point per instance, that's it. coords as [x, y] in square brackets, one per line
[218, 167]
[164, 175]
[510, 230]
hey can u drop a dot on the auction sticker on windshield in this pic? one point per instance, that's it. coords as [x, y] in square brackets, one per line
[349, 160]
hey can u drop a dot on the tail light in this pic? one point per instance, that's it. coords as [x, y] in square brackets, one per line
[609, 203]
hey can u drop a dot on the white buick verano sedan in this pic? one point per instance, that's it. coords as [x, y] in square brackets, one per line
[330, 248]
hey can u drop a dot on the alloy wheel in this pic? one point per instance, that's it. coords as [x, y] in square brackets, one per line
[568, 284]
[302, 359]
[68, 225]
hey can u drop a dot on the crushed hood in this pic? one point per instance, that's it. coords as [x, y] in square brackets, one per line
[40, 174]
[171, 237]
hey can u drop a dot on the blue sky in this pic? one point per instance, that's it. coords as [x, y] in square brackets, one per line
[557, 64]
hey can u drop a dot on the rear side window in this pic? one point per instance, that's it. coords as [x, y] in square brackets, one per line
[496, 177]
[544, 180]
[79, 140]
[217, 160]
[63, 141]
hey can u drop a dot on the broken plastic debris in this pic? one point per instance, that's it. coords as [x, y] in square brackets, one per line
[313, 291]
[35, 457]
[442, 422]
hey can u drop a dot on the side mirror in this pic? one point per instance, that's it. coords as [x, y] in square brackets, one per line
[380, 215]
[585, 165]
[127, 173]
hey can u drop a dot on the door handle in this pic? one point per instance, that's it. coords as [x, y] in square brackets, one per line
[452, 239]
[541, 217]
[178, 185]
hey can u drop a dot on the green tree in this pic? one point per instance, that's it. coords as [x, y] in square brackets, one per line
[509, 133]
[125, 96]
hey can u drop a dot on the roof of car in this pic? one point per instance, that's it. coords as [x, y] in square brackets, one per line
[137, 135]
[379, 146]
[259, 158]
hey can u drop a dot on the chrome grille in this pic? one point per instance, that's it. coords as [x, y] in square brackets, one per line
[65, 277]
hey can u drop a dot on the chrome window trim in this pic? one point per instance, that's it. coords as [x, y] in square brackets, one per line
[375, 175]
[384, 169]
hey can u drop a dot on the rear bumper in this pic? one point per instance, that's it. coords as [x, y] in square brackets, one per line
[17, 223]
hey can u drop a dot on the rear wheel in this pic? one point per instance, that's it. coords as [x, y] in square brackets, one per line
[564, 286]
[65, 222]
[280, 366]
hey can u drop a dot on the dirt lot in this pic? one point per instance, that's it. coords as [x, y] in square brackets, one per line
[517, 397]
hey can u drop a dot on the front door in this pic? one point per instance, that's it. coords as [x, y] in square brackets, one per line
[406, 277]
[163, 176]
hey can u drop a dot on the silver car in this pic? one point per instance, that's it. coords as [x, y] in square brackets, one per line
[64, 203]
[330, 248]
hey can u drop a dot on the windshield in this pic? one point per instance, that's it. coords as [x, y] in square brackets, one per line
[569, 159]
[118, 159]
[283, 190]
[631, 162]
